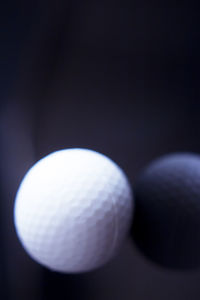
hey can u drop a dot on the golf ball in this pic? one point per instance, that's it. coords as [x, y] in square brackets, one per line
[73, 210]
[166, 225]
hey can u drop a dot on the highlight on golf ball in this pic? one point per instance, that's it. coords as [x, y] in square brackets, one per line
[73, 210]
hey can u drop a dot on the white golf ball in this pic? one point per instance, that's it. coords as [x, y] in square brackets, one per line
[73, 209]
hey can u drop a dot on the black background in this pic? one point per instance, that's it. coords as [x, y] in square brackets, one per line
[119, 77]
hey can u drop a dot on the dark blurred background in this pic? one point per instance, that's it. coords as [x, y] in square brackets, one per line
[119, 77]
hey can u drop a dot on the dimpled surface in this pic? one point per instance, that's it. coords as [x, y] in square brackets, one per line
[73, 209]
[166, 226]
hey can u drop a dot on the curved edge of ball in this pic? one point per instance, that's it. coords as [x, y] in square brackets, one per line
[112, 251]
[152, 228]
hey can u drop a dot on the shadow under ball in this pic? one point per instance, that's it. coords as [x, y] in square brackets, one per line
[166, 226]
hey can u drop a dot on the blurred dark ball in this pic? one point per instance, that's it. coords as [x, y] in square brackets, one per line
[166, 226]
